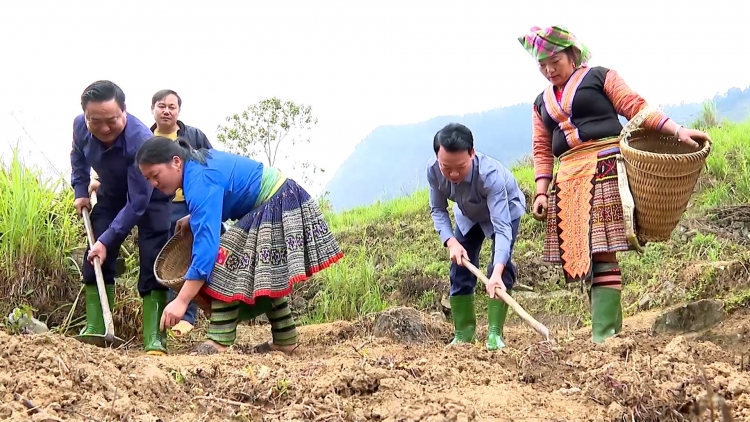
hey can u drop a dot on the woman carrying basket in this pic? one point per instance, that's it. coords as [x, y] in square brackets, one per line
[280, 238]
[576, 120]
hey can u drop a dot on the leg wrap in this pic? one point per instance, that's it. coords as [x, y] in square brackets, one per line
[283, 328]
[607, 274]
[222, 326]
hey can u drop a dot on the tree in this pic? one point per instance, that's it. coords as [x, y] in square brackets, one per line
[261, 128]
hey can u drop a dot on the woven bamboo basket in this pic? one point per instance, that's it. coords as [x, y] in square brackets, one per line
[662, 173]
[173, 262]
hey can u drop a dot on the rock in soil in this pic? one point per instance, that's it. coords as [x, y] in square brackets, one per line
[695, 316]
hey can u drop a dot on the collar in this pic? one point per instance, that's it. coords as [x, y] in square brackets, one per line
[180, 127]
[470, 177]
[117, 143]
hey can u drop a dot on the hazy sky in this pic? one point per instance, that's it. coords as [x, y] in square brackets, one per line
[360, 64]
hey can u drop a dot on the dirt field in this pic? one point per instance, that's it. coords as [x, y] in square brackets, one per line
[340, 372]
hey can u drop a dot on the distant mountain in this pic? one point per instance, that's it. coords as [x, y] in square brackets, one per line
[390, 162]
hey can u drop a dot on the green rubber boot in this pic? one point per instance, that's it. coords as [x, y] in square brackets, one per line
[497, 312]
[606, 313]
[154, 341]
[94, 314]
[464, 318]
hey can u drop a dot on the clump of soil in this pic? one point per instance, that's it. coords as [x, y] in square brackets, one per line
[341, 371]
[405, 325]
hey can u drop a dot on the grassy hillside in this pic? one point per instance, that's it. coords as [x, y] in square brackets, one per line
[393, 255]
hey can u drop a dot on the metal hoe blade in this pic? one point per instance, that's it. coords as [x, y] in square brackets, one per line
[100, 340]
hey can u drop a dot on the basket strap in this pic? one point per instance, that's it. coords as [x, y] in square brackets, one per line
[636, 122]
[628, 204]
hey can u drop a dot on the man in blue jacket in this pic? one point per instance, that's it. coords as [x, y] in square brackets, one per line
[165, 107]
[106, 139]
[488, 204]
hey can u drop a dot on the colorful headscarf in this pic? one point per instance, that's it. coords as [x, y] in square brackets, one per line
[542, 43]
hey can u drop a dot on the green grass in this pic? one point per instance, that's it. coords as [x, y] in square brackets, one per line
[41, 250]
[38, 232]
[728, 172]
[392, 253]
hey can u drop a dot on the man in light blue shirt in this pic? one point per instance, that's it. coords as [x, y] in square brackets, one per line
[488, 204]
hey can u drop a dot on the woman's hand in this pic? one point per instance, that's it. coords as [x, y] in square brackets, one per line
[182, 224]
[173, 313]
[688, 136]
[539, 209]
[176, 309]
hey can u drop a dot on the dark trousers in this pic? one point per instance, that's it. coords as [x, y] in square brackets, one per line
[153, 234]
[179, 210]
[463, 282]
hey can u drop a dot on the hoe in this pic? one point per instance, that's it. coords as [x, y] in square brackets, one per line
[505, 297]
[108, 339]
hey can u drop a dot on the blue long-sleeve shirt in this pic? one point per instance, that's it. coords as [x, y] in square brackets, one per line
[225, 188]
[117, 170]
[488, 196]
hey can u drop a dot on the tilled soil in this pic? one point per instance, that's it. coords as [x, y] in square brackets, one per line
[341, 372]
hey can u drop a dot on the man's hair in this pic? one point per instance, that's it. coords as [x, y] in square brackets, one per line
[163, 94]
[102, 91]
[454, 137]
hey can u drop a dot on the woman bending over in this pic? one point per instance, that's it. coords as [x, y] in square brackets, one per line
[280, 238]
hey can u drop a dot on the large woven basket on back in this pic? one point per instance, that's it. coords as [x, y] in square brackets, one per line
[173, 262]
[662, 173]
